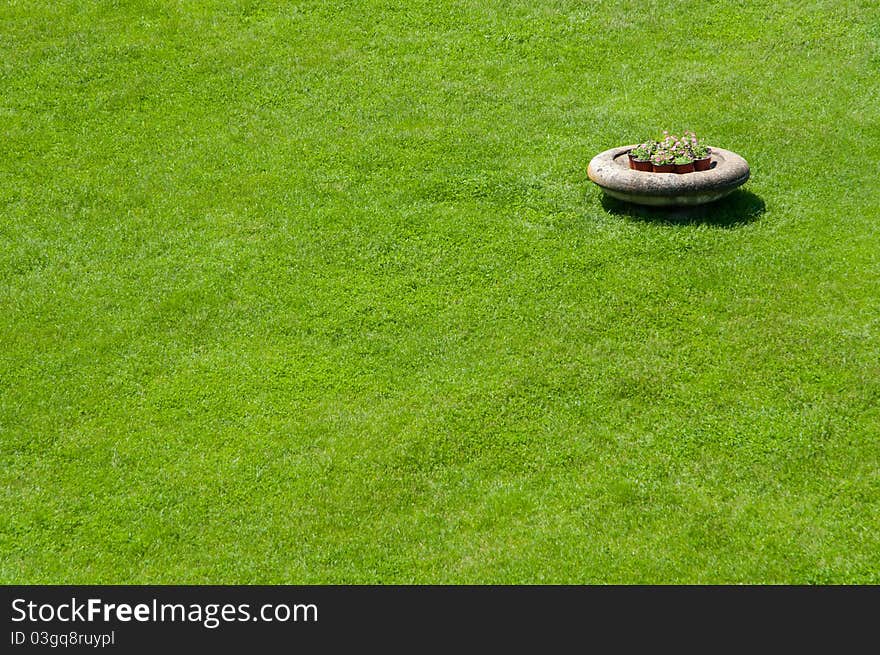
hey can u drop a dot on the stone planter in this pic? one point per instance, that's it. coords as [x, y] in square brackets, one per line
[611, 172]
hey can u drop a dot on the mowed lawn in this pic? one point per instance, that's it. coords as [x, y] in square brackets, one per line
[320, 293]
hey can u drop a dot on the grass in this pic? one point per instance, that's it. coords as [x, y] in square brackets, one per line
[320, 293]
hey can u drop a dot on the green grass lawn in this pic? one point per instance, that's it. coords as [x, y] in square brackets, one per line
[321, 293]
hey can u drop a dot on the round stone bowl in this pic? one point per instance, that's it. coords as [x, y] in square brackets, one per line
[611, 171]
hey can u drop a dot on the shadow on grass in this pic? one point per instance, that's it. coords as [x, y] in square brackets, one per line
[738, 209]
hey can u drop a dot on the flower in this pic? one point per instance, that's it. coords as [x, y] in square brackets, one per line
[688, 145]
[643, 151]
[672, 148]
[662, 157]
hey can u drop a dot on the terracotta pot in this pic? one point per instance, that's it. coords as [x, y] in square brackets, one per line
[638, 164]
[702, 164]
[684, 168]
[663, 168]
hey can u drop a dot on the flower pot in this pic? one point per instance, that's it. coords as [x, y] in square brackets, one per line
[702, 164]
[638, 164]
[663, 168]
[684, 168]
